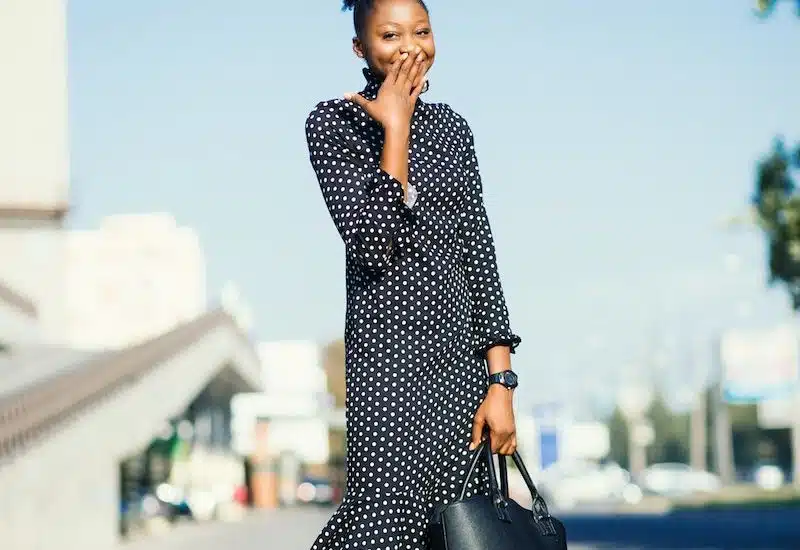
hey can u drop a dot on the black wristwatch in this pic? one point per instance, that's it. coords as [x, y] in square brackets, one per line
[507, 378]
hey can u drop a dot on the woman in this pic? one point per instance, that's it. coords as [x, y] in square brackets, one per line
[425, 309]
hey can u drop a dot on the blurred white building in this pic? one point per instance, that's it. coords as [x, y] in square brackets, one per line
[60, 474]
[293, 368]
[34, 165]
[135, 277]
[295, 403]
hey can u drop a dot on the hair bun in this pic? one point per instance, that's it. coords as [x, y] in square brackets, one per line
[349, 4]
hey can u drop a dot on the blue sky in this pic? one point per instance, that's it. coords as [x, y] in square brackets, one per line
[612, 138]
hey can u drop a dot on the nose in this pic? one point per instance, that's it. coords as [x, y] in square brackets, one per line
[409, 45]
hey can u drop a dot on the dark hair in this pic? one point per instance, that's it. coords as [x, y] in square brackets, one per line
[361, 9]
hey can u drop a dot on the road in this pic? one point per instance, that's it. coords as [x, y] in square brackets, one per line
[295, 529]
[277, 530]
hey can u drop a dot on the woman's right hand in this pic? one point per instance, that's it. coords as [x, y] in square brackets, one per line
[397, 96]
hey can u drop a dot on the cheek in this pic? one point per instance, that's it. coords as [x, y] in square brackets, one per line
[430, 50]
[384, 55]
[431, 58]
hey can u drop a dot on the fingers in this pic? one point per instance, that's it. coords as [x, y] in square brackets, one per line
[506, 442]
[416, 72]
[509, 446]
[478, 424]
[417, 89]
[395, 70]
[359, 100]
[421, 72]
[408, 61]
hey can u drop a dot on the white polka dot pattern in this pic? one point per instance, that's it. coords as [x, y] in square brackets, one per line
[424, 303]
[490, 314]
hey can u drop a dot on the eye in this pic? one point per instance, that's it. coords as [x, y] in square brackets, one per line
[389, 35]
[423, 32]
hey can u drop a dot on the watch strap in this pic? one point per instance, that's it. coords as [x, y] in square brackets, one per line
[503, 378]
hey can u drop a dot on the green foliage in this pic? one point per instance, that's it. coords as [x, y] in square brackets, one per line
[671, 433]
[777, 207]
[618, 436]
[743, 416]
[765, 8]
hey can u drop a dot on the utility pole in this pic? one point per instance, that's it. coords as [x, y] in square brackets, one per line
[640, 437]
[633, 402]
[795, 429]
[723, 440]
[698, 433]
[697, 380]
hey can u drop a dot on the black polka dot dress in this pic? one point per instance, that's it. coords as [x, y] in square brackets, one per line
[424, 303]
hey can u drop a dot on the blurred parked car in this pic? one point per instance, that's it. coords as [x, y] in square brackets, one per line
[676, 479]
[766, 475]
[314, 490]
[566, 484]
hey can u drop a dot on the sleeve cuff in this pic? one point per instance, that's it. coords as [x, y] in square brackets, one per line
[512, 341]
[396, 189]
[411, 198]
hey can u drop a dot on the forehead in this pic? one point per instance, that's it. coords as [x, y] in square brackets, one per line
[400, 12]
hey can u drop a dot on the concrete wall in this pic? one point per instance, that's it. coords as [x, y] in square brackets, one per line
[32, 263]
[64, 493]
[134, 277]
[34, 164]
[34, 153]
[17, 326]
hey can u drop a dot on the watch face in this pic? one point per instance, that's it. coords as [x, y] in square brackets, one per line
[511, 378]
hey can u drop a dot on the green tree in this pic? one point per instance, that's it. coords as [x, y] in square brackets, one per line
[333, 364]
[333, 360]
[765, 8]
[671, 443]
[618, 438]
[671, 431]
[776, 206]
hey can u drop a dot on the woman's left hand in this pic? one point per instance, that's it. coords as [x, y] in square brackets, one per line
[497, 413]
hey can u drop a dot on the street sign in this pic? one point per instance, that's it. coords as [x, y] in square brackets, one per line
[779, 413]
[759, 364]
[548, 418]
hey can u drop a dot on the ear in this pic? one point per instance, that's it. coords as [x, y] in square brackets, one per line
[358, 48]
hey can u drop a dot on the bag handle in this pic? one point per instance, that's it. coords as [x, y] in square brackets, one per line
[499, 493]
[484, 449]
[522, 470]
[539, 506]
[500, 503]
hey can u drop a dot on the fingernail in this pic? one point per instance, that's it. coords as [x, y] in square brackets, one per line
[348, 96]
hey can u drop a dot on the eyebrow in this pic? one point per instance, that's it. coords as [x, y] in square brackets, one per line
[417, 22]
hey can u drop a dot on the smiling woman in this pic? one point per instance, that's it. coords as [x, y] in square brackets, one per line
[425, 308]
[362, 9]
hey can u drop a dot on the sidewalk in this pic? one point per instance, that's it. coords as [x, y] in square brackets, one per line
[257, 530]
[286, 529]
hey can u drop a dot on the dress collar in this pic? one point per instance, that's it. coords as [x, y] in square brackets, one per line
[373, 84]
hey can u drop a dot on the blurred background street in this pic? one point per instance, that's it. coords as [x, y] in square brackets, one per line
[296, 529]
[171, 287]
[292, 530]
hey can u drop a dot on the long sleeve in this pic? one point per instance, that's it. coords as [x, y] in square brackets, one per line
[365, 202]
[490, 320]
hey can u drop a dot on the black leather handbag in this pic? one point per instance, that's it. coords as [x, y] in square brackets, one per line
[494, 521]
